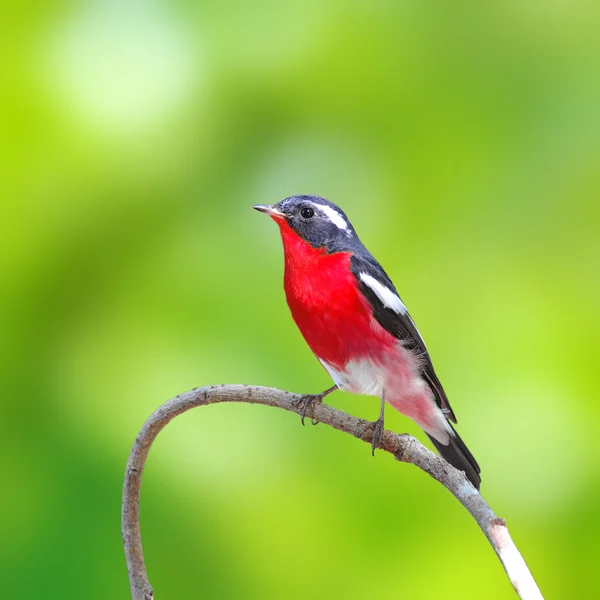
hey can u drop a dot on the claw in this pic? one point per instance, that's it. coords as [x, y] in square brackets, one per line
[311, 400]
[377, 439]
[304, 402]
[376, 434]
[378, 429]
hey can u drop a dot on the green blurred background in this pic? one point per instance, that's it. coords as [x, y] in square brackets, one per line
[462, 139]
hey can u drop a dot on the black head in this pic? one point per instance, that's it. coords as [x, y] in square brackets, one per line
[316, 220]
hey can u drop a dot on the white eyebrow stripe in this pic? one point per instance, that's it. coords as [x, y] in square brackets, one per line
[388, 298]
[334, 216]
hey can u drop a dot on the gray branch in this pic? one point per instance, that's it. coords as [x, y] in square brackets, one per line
[403, 447]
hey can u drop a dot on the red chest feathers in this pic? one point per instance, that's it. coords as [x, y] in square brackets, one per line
[330, 312]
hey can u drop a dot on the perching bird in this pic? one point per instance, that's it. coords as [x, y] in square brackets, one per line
[354, 321]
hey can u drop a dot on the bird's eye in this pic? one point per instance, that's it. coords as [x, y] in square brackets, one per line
[307, 213]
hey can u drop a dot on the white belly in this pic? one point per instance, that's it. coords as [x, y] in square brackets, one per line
[362, 376]
[400, 383]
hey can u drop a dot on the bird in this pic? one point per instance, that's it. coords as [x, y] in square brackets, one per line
[354, 321]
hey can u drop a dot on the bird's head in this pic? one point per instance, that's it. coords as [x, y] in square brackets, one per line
[315, 220]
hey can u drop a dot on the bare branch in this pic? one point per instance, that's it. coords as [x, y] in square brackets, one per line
[404, 447]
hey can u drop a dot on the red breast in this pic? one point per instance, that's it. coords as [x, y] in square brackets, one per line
[330, 312]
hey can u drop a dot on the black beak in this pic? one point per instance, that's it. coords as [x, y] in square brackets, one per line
[268, 210]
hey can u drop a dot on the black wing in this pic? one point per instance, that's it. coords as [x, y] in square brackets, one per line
[400, 325]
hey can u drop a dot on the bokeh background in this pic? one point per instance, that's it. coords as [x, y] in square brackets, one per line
[463, 140]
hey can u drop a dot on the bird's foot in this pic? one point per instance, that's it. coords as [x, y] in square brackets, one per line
[376, 434]
[311, 400]
[306, 402]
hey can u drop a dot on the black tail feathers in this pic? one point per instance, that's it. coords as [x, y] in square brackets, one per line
[458, 455]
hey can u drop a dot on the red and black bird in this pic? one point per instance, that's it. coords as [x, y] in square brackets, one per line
[354, 321]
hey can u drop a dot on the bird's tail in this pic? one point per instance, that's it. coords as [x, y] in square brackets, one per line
[459, 456]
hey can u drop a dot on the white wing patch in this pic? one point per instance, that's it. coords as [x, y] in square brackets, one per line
[335, 217]
[388, 298]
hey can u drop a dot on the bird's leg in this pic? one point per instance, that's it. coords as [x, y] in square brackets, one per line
[310, 400]
[377, 426]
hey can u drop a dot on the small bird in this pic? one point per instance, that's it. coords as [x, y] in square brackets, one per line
[354, 321]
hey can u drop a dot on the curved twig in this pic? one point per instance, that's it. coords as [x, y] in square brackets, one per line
[404, 447]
